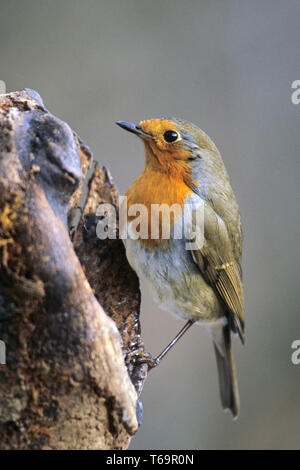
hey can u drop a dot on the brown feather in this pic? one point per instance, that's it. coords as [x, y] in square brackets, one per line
[224, 277]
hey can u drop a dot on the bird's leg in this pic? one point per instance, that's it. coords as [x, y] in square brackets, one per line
[158, 358]
[145, 357]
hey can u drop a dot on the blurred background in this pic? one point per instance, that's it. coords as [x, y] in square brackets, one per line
[227, 66]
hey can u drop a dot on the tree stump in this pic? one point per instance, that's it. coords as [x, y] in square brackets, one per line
[69, 304]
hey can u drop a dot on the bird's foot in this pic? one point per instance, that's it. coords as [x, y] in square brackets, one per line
[140, 356]
[147, 358]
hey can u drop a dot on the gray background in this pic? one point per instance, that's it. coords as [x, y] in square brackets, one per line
[227, 66]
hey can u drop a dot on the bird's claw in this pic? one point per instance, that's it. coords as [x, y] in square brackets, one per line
[139, 356]
[148, 359]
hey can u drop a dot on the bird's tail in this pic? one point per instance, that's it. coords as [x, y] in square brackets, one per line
[227, 377]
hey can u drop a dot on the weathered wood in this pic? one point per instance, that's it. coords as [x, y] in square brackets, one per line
[65, 383]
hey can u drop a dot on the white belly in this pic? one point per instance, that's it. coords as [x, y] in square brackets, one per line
[174, 280]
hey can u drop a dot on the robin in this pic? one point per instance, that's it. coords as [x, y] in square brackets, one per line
[202, 284]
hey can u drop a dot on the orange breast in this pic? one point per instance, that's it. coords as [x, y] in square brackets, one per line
[154, 187]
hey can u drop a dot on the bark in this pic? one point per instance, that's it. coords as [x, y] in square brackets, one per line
[69, 306]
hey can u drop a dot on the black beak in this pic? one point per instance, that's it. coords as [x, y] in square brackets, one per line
[134, 128]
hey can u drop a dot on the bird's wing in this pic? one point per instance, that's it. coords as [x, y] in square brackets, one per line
[214, 257]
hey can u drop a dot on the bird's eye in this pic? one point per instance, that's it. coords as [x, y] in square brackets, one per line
[170, 136]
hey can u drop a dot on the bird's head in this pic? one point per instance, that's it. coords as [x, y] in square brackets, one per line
[171, 143]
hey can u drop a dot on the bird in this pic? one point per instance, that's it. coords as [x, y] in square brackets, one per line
[201, 283]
